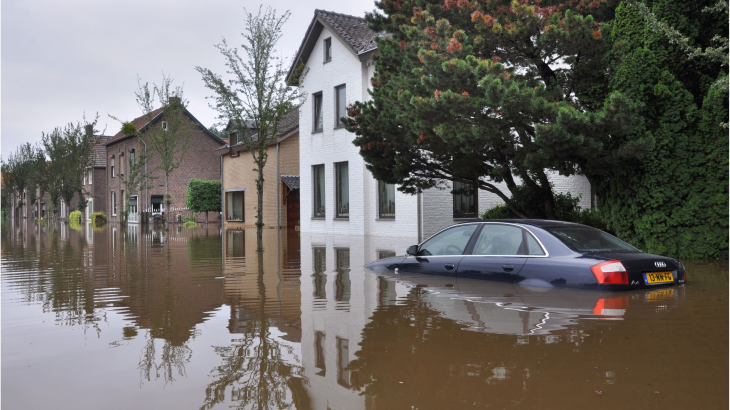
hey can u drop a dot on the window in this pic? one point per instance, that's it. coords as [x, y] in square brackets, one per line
[386, 199]
[164, 125]
[327, 50]
[83, 182]
[385, 254]
[131, 158]
[500, 240]
[91, 173]
[452, 241]
[234, 206]
[121, 165]
[317, 112]
[465, 200]
[233, 139]
[319, 353]
[156, 201]
[112, 166]
[343, 360]
[320, 278]
[342, 280]
[340, 108]
[318, 179]
[114, 203]
[342, 190]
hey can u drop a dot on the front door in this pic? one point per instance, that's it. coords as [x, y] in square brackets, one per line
[441, 254]
[292, 209]
[133, 209]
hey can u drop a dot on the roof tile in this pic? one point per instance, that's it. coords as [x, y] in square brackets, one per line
[354, 30]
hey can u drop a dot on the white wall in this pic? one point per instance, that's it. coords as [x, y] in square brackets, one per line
[334, 145]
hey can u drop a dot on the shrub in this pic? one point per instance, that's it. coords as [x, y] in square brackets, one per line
[98, 218]
[75, 217]
[566, 209]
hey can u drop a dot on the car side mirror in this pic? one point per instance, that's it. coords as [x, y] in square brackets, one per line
[412, 250]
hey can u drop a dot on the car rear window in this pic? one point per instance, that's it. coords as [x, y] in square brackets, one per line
[587, 239]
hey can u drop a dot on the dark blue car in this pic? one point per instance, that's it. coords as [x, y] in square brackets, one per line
[536, 253]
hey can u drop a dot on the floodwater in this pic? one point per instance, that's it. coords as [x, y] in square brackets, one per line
[134, 317]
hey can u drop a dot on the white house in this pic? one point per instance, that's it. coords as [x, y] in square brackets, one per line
[338, 194]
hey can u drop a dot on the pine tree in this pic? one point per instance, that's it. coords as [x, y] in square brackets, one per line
[491, 92]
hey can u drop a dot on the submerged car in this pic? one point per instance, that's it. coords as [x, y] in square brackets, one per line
[542, 253]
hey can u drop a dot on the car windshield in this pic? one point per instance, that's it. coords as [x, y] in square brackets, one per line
[587, 239]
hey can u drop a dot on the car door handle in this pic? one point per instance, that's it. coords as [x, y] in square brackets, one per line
[449, 266]
[508, 268]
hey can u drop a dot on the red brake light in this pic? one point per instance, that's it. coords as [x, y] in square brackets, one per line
[610, 273]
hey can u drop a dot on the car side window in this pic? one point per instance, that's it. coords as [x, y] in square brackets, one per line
[533, 246]
[452, 241]
[500, 240]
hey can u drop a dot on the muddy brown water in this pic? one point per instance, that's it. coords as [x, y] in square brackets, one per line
[135, 317]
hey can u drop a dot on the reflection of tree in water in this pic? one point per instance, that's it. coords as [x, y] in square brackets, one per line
[172, 360]
[254, 366]
[66, 288]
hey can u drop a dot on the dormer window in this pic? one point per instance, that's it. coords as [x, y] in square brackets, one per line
[164, 125]
[327, 50]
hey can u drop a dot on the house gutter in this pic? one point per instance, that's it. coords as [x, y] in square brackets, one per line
[146, 182]
[278, 189]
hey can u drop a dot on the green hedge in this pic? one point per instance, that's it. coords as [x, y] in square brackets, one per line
[75, 217]
[98, 218]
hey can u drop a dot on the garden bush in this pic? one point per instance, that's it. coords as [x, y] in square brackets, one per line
[98, 218]
[75, 217]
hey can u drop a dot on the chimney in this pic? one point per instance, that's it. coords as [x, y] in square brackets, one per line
[174, 101]
[89, 131]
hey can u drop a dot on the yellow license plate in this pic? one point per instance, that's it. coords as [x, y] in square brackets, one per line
[658, 277]
[661, 294]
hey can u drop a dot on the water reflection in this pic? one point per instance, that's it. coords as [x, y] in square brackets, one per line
[198, 318]
[260, 367]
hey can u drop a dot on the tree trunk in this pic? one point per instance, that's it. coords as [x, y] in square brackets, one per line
[260, 207]
[206, 218]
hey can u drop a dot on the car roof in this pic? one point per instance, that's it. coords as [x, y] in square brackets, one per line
[540, 223]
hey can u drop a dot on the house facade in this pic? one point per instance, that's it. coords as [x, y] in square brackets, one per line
[199, 161]
[281, 179]
[339, 195]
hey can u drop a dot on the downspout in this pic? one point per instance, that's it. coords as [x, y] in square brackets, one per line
[420, 219]
[223, 195]
[278, 189]
[146, 182]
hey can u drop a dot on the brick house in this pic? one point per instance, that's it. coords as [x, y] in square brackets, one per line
[339, 195]
[199, 161]
[281, 179]
[94, 182]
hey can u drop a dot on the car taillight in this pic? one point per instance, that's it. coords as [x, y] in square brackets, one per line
[610, 273]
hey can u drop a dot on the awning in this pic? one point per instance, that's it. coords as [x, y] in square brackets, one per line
[236, 190]
[292, 181]
[156, 199]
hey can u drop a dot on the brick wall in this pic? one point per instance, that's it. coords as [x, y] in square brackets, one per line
[200, 161]
[238, 174]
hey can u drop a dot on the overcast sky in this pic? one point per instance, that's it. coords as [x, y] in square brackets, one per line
[63, 58]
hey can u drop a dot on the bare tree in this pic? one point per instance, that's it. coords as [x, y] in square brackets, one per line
[256, 97]
[167, 138]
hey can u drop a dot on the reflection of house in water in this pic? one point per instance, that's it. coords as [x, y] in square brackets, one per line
[162, 277]
[338, 299]
[276, 290]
